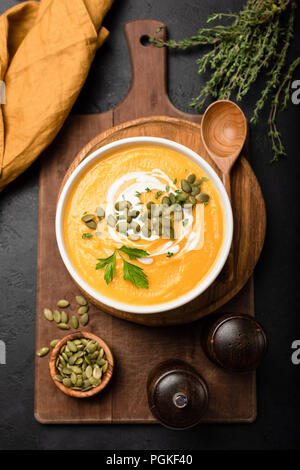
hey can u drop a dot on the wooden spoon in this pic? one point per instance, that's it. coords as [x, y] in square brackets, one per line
[224, 131]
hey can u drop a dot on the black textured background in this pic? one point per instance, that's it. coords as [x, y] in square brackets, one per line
[276, 276]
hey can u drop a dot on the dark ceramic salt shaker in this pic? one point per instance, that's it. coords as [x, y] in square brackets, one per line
[235, 342]
[177, 394]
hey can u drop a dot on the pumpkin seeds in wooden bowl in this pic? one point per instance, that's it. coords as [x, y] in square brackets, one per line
[81, 364]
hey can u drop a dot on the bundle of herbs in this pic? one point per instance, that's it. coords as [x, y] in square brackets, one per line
[256, 41]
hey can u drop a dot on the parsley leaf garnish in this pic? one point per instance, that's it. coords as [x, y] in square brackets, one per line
[138, 194]
[159, 193]
[148, 190]
[175, 181]
[169, 254]
[133, 253]
[110, 267]
[133, 273]
[167, 188]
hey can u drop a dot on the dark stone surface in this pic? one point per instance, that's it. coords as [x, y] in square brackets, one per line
[276, 276]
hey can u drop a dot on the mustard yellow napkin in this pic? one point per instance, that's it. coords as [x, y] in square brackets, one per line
[46, 49]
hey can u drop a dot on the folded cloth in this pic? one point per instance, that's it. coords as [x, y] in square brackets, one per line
[46, 49]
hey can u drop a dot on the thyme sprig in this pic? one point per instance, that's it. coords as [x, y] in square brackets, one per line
[256, 41]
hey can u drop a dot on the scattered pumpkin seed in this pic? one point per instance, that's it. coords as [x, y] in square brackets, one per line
[63, 303]
[42, 352]
[202, 197]
[121, 205]
[87, 218]
[185, 186]
[83, 309]
[54, 343]
[48, 314]
[84, 319]
[64, 317]
[191, 178]
[91, 224]
[111, 221]
[100, 212]
[57, 316]
[134, 238]
[74, 322]
[81, 300]
[63, 326]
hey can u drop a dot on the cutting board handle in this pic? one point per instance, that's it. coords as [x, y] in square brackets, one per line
[148, 92]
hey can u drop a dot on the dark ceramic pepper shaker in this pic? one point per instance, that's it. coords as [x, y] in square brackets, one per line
[177, 395]
[235, 342]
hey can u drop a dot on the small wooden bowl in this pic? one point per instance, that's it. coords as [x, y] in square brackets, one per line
[106, 377]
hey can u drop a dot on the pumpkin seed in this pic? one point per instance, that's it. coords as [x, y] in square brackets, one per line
[87, 218]
[100, 212]
[58, 378]
[67, 382]
[48, 314]
[91, 224]
[84, 319]
[146, 231]
[93, 381]
[89, 371]
[192, 200]
[83, 309]
[134, 238]
[97, 373]
[104, 367]
[185, 186]
[135, 227]
[172, 198]
[63, 326]
[182, 197]
[122, 227]
[42, 352]
[80, 300]
[64, 317]
[73, 378]
[57, 316]
[202, 197]
[111, 221]
[166, 201]
[54, 343]
[191, 178]
[63, 303]
[195, 190]
[72, 346]
[121, 205]
[74, 322]
[197, 182]
[133, 213]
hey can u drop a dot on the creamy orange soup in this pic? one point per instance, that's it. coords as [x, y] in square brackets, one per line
[139, 175]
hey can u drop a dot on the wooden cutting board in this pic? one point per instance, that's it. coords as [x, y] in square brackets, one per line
[136, 348]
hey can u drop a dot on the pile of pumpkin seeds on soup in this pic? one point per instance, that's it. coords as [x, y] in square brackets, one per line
[154, 217]
[80, 364]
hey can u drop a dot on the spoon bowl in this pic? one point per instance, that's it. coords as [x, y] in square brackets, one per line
[224, 130]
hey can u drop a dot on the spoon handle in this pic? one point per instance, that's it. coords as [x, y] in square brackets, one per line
[227, 273]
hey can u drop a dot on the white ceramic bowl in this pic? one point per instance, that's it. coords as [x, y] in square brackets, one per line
[98, 155]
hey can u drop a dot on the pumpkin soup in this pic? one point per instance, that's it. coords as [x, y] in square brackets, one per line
[151, 205]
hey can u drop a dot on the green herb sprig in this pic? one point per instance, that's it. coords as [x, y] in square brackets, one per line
[256, 41]
[131, 272]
